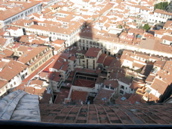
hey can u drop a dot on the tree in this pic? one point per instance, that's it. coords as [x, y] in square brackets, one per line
[146, 27]
[169, 7]
[161, 5]
[119, 26]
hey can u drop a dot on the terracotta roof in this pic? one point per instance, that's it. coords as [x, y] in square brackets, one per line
[135, 85]
[36, 82]
[106, 114]
[72, 58]
[162, 12]
[78, 96]
[61, 95]
[92, 52]
[136, 31]
[103, 96]
[108, 60]
[135, 98]
[84, 83]
[3, 41]
[138, 65]
[12, 69]
[159, 85]
[168, 24]
[6, 53]
[149, 43]
[55, 76]
[111, 83]
[59, 42]
[44, 74]
[150, 78]
[15, 10]
[27, 56]
[35, 91]
[166, 37]
[101, 58]
[165, 72]
[159, 63]
[152, 97]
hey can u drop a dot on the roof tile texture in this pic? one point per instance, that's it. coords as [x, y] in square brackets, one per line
[107, 114]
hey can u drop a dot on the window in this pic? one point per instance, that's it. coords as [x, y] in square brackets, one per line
[107, 87]
[122, 92]
[112, 88]
[122, 87]
[32, 69]
[94, 64]
[40, 62]
[87, 63]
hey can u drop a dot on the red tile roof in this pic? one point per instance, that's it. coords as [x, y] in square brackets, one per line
[12, 69]
[159, 85]
[84, 83]
[92, 52]
[78, 96]
[134, 98]
[35, 91]
[108, 60]
[111, 83]
[101, 58]
[15, 10]
[59, 42]
[135, 85]
[107, 114]
[103, 96]
[54, 76]
[27, 56]
[60, 96]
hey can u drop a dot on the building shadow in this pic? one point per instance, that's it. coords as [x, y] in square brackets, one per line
[96, 76]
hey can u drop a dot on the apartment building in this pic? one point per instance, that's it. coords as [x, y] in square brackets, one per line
[158, 81]
[29, 60]
[36, 57]
[135, 40]
[11, 75]
[58, 45]
[17, 11]
[55, 81]
[159, 16]
[60, 70]
[135, 60]
[91, 57]
[66, 29]
[5, 41]
[166, 39]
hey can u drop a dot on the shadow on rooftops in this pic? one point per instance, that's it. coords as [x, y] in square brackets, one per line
[86, 73]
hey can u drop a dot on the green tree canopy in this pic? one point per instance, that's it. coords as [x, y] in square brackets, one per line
[169, 7]
[146, 27]
[161, 5]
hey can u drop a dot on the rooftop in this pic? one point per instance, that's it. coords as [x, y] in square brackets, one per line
[84, 83]
[92, 52]
[106, 114]
[20, 106]
[15, 8]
